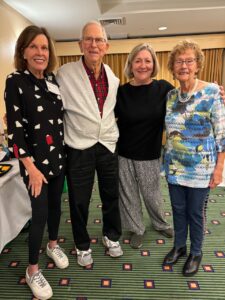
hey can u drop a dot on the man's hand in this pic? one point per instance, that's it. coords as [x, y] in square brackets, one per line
[222, 92]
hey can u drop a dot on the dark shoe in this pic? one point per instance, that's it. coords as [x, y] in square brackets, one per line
[167, 232]
[136, 240]
[192, 264]
[173, 256]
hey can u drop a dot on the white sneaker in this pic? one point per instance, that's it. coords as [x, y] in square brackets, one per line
[58, 256]
[84, 258]
[114, 248]
[39, 285]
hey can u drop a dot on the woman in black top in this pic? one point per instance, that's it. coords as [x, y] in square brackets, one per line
[35, 135]
[140, 109]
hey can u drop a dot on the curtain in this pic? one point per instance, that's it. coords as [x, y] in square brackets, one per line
[212, 70]
[213, 65]
[66, 59]
[117, 64]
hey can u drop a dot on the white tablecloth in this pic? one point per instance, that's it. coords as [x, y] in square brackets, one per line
[15, 208]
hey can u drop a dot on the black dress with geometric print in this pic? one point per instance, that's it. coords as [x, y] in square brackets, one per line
[35, 122]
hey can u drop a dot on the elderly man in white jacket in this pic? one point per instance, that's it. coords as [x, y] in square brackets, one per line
[89, 89]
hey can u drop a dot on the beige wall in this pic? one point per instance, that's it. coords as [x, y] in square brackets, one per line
[11, 24]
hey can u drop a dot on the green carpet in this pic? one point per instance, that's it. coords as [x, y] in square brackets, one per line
[136, 275]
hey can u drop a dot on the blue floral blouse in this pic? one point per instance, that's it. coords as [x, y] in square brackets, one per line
[195, 134]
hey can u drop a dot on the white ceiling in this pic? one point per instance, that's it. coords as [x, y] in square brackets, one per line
[65, 18]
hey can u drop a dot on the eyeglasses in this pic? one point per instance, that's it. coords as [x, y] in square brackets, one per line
[89, 40]
[188, 62]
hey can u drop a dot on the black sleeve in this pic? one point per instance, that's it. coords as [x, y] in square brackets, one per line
[14, 111]
[168, 86]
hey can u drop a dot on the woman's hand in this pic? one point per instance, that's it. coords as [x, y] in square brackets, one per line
[216, 178]
[36, 179]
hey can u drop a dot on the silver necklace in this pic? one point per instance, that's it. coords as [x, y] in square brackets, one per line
[189, 95]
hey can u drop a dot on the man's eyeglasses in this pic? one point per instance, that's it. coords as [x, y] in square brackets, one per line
[187, 62]
[89, 40]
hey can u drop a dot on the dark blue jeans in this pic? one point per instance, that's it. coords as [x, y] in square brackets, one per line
[188, 212]
[81, 168]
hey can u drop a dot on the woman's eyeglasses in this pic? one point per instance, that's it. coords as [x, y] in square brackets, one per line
[187, 62]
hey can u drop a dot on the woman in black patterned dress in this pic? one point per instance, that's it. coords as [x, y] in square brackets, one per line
[35, 135]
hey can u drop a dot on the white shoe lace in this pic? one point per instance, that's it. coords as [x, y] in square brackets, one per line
[58, 251]
[39, 279]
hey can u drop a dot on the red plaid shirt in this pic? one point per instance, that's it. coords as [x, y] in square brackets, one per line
[100, 86]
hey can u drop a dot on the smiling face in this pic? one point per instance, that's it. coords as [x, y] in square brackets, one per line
[142, 67]
[36, 55]
[185, 66]
[93, 45]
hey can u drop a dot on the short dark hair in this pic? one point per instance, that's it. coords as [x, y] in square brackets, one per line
[23, 41]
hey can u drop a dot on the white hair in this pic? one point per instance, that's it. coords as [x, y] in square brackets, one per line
[96, 23]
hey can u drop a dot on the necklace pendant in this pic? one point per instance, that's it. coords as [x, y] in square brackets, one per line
[184, 99]
[189, 95]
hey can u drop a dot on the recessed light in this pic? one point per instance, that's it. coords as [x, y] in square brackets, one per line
[162, 28]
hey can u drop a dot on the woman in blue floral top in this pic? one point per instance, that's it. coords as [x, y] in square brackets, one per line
[194, 157]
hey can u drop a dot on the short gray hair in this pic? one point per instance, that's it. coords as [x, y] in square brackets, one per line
[144, 46]
[91, 23]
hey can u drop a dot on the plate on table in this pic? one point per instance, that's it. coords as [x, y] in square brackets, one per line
[4, 168]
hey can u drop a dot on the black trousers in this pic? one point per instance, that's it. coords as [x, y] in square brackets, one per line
[45, 208]
[81, 168]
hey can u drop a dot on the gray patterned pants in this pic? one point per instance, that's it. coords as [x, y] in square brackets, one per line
[140, 180]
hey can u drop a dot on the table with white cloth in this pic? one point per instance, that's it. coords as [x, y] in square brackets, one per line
[15, 207]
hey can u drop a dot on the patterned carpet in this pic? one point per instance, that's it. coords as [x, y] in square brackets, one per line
[136, 275]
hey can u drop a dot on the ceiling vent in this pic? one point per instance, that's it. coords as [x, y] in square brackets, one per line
[116, 21]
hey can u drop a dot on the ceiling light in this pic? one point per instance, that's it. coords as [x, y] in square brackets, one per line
[162, 28]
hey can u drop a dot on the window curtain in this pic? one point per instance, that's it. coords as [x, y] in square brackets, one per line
[212, 70]
[213, 65]
[66, 59]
